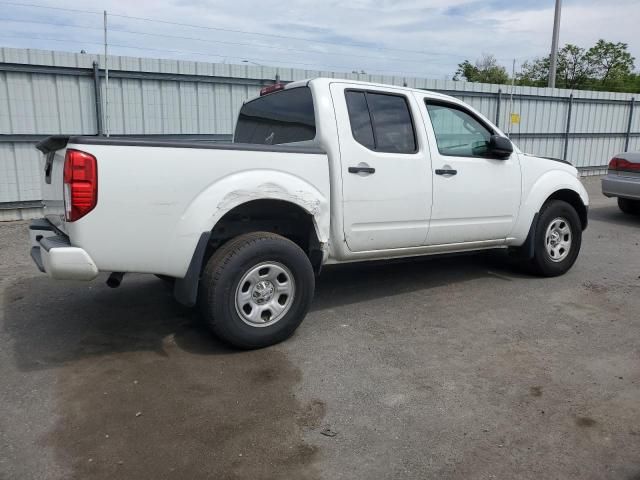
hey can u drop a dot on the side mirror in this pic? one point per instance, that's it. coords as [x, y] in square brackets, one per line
[499, 147]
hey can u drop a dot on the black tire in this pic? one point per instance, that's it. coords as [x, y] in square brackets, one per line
[629, 206]
[543, 263]
[223, 273]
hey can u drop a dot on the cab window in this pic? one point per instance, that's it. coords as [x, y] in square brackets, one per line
[287, 116]
[457, 132]
[381, 121]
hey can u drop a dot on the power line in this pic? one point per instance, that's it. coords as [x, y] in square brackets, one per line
[259, 45]
[211, 55]
[77, 10]
[223, 42]
[228, 30]
[274, 35]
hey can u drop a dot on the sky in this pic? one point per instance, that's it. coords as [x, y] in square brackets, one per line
[412, 38]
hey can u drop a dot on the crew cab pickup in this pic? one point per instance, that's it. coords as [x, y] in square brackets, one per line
[321, 171]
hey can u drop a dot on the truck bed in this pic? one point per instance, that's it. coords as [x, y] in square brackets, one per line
[156, 197]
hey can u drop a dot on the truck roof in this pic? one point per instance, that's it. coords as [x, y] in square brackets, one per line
[324, 82]
[328, 80]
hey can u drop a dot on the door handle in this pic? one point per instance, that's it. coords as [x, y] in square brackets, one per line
[445, 171]
[362, 169]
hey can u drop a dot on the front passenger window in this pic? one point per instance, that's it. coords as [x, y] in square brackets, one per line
[457, 132]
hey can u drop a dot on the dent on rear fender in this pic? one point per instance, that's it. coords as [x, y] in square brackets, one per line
[274, 191]
[271, 191]
[226, 193]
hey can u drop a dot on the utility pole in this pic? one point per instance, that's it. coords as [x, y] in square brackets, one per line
[106, 79]
[513, 87]
[554, 45]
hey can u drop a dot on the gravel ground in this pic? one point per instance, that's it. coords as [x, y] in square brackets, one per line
[450, 368]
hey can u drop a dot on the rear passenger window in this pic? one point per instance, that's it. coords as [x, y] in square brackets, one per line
[381, 121]
[359, 119]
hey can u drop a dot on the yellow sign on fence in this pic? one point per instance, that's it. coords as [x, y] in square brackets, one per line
[515, 118]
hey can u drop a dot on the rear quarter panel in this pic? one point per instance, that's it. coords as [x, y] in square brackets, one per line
[155, 202]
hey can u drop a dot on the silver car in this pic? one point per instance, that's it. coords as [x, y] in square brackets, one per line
[623, 181]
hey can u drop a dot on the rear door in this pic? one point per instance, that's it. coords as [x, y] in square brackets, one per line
[386, 172]
[475, 197]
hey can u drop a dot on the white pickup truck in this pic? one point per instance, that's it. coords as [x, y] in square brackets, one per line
[322, 171]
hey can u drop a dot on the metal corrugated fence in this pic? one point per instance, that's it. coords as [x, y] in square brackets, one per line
[47, 92]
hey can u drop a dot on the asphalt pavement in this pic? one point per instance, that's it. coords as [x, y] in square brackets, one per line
[458, 367]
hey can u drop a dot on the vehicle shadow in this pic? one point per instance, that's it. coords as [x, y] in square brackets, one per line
[53, 323]
[360, 282]
[612, 214]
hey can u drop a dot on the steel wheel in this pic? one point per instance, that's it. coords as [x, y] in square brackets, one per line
[558, 239]
[265, 294]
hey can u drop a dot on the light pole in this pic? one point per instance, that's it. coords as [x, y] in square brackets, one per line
[554, 45]
[106, 79]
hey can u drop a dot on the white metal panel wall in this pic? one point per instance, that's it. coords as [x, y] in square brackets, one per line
[47, 103]
[37, 104]
[545, 147]
[538, 116]
[20, 167]
[146, 107]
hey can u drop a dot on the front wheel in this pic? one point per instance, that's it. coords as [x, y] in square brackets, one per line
[256, 289]
[557, 239]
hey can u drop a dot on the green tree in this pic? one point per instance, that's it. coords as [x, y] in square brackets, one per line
[534, 73]
[485, 70]
[605, 66]
[611, 63]
[633, 83]
[573, 69]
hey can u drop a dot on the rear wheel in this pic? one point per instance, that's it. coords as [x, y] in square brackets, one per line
[256, 289]
[627, 205]
[557, 239]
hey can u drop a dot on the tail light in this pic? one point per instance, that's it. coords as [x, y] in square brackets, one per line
[271, 88]
[613, 164]
[80, 184]
[618, 164]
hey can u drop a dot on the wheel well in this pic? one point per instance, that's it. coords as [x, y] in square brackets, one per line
[276, 216]
[573, 199]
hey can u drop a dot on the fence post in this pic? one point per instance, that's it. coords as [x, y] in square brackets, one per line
[499, 99]
[628, 135]
[96, 90]
[568, 129]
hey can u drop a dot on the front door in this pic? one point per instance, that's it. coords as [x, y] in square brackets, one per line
[475, 198]
[386, 173]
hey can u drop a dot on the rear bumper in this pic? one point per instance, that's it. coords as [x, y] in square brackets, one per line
[54, 255]
[621, 186]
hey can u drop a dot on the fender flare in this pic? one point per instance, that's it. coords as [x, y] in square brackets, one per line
[544, 188]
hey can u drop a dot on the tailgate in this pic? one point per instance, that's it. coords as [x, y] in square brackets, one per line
[53, 149]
